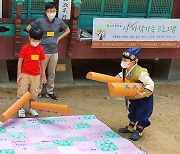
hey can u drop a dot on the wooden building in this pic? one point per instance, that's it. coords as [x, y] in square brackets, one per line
[15, 15]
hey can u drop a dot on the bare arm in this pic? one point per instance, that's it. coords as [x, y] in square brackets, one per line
[66, 32]
[43, 79]
[19, 67]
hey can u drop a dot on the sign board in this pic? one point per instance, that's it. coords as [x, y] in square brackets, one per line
[131, 32]
[64, 9]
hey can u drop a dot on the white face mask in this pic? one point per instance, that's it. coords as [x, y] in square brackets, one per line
[35, 44]
[124, 64]
[51, 15]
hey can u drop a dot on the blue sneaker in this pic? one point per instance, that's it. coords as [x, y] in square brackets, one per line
[127, 129]
[136, 136]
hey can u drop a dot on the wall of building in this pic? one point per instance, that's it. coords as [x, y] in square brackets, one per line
[83, 50]
[0, 8]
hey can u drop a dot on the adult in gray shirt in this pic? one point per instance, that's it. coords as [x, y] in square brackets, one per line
[51, 26]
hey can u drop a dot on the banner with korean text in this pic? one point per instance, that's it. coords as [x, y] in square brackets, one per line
[131, 32]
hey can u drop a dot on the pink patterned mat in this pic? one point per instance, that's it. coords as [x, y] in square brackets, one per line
[83, 134]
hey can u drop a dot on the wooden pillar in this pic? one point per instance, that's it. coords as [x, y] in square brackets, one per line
[4, 71]
[73, 26]
[64, 71]
[161, 70]
[6, 8]
[17, 38]
[167, 69]
[176, 10]
[174, 72]
[0, 8]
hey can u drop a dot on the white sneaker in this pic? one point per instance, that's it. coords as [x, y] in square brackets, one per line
[21, 113]
[33, 112]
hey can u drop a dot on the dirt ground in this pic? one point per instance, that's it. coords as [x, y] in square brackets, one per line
[162, 137]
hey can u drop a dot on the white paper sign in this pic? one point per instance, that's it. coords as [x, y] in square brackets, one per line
[64, 9]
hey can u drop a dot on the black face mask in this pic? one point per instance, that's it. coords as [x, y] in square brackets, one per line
[124, 74]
